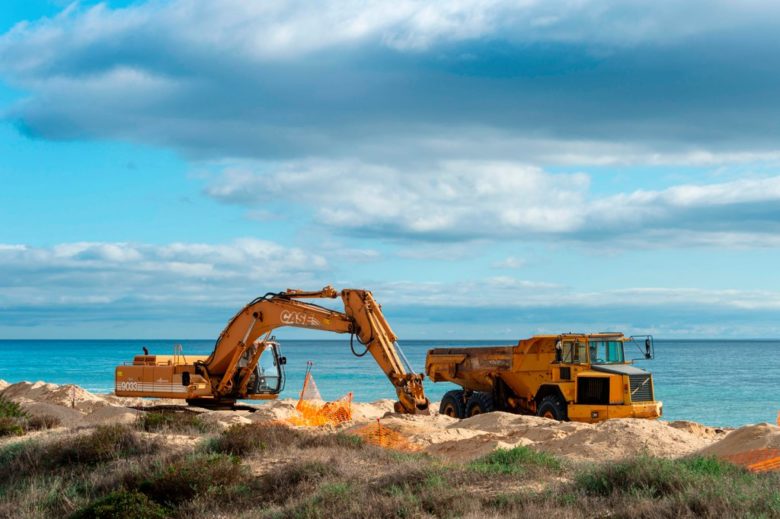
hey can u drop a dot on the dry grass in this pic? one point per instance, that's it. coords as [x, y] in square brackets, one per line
[119, 472]
[14, 421]
[181, 422]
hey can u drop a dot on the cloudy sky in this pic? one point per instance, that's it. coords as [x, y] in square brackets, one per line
[490, 169]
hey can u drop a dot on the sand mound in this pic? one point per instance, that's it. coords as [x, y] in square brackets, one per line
[744, 439]
[3, 385]
[68, 395]
[284, 410]
[125, 401]
[68, 417]
[224, 419]
[111, 415]
[615, 439]
[698, 429]
[436, 434]
[371, 411]
[474, 437]
[278, 410]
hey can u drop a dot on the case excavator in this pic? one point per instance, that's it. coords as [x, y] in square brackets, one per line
[247, 362]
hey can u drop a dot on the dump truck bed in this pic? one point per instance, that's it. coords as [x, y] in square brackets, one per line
[470, 367]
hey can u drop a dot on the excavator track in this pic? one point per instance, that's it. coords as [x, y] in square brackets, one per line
[192, 409]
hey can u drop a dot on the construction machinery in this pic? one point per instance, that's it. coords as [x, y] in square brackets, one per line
[579, 377]
[247, 362]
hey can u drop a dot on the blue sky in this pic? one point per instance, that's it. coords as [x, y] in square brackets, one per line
[489, 169]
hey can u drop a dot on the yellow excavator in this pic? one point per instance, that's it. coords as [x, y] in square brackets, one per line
[247, 363]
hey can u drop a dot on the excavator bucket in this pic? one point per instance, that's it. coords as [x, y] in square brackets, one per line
[411, 396]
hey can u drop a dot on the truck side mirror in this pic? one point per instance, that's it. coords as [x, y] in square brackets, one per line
[282, 360]
[648, 350]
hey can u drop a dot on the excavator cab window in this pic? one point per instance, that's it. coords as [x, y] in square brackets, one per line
[269, 374]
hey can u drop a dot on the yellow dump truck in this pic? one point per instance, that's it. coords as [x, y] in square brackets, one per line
[579, 377]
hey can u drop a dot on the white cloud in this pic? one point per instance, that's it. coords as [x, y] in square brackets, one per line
[274, 30]
[507, 292]
[509, 262]
[473, 200]
[560, 81]
[460, 199]
[87, 272]
[179, 289]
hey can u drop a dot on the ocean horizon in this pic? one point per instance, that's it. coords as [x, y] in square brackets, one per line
[715, 382]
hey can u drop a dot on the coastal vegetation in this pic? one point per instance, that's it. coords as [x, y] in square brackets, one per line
[14, 421]
[152, 469]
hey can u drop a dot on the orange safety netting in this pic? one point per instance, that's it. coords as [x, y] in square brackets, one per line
[384, 437]
[315, 413]
[758, 460]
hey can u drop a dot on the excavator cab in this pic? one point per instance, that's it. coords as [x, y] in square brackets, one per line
[268, 374]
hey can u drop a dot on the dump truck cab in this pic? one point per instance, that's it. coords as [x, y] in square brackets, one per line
[579, 377]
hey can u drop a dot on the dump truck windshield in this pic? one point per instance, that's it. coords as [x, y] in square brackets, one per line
[604, 351]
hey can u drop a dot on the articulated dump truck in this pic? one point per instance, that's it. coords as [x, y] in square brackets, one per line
[579, 377]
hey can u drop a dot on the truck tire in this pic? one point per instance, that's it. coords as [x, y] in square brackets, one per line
[452, 404]
[552, 407]
[479, 403]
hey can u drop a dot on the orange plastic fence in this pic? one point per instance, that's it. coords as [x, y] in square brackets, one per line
[384, 437]
[315, 413]
[758, 460]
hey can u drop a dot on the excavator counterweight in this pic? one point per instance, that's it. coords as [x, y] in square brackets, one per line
[237, 367]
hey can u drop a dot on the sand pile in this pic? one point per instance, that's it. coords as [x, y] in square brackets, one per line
[745, 439]
[125, 401]
[71, 404]
[68, 395]
[224, 419]
[436, 434]
[474, 437]
[703, 431]
[616, 439]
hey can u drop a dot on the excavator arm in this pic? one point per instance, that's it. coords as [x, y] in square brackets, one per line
[362, 317]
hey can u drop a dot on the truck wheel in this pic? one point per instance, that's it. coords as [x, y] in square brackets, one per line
[452, 404]
[479, 403]
[552, 407]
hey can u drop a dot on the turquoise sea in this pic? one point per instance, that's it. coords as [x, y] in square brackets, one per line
[725, 383]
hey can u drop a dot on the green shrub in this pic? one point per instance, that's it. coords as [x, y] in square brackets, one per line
[654, 477]
[183, 422]
[10, 409]
[285, 481]
[198, 473]
[122, 504]
[410, 479]
[247, 438]
[340, 439]
[41, 422]
[38, 457]
[13, 419]
[106, 442]
[11, 426]
[517, 460]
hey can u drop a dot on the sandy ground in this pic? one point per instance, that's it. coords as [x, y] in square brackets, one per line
[436, 434]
